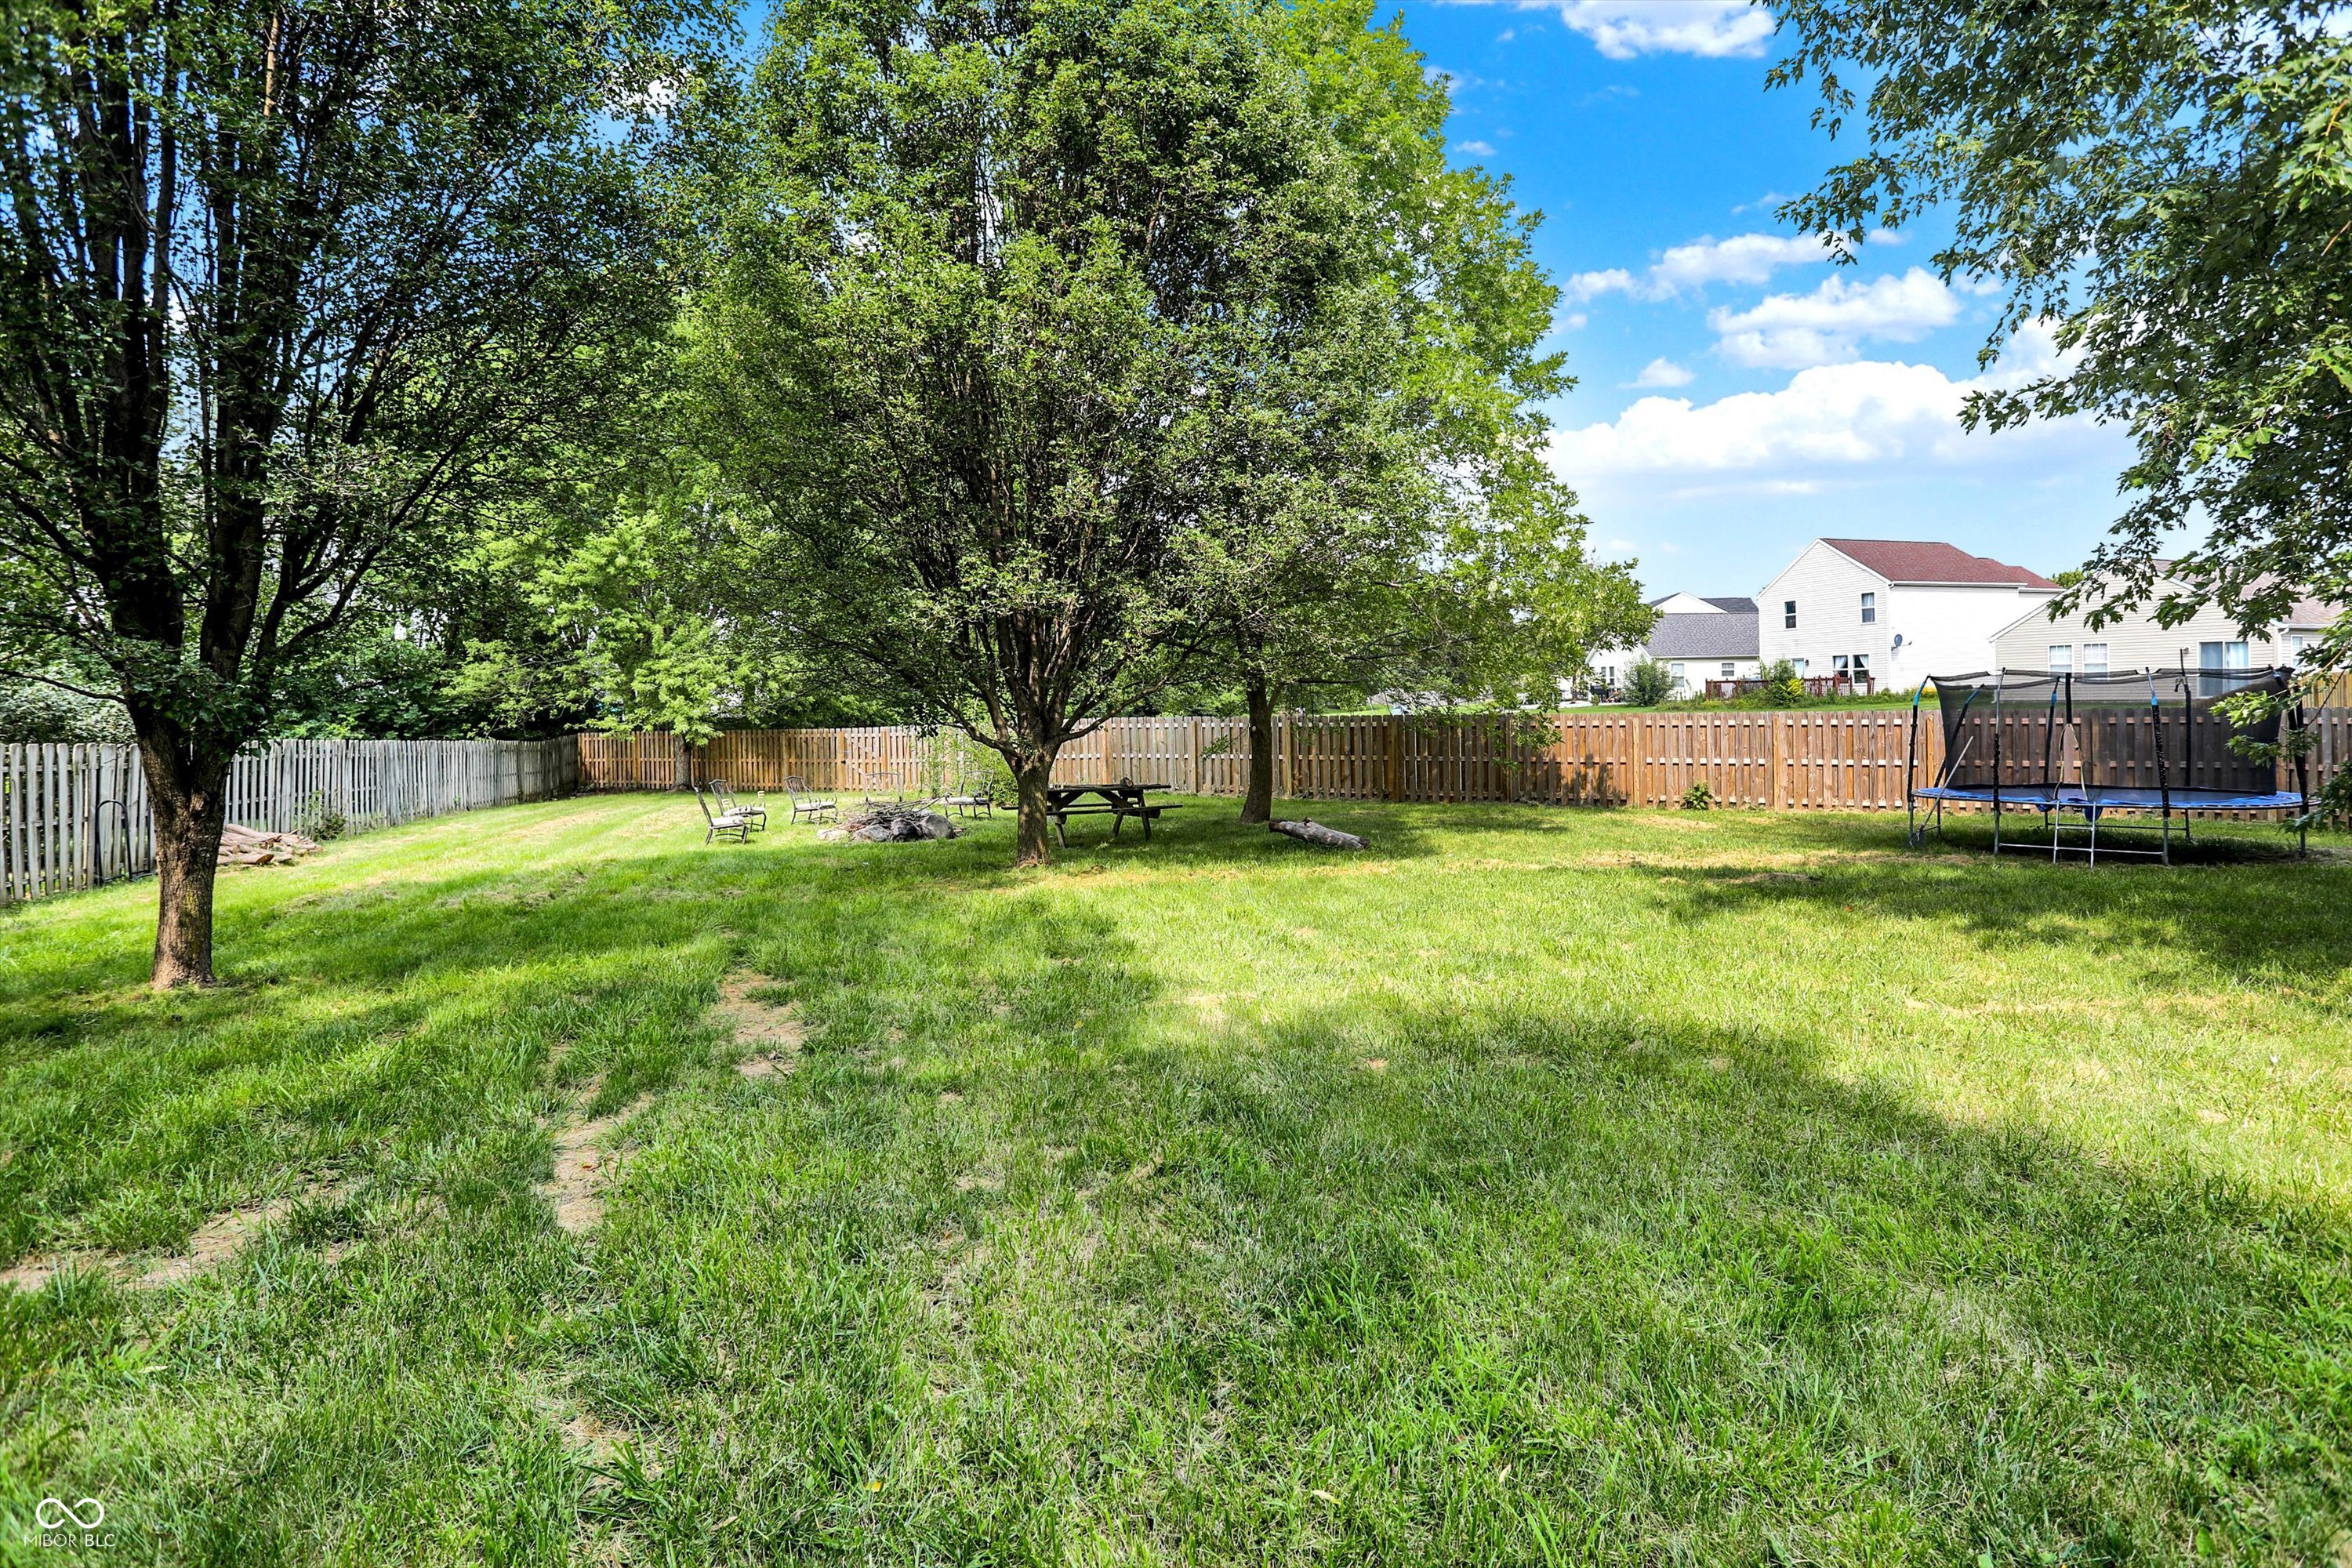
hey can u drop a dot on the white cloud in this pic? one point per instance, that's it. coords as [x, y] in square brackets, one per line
[1586, 286]
[1623, 29]
[1475, 148]
[1794, 331]
[1506, 35]
[1830, 419]
[1742, 259]
[1662, 372]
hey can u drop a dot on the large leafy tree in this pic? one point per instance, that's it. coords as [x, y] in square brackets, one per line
[986, 273]
[625, 611]
[1389, 515]
[2170, 184]
[284, 289]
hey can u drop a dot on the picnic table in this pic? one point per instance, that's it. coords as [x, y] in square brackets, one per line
[1119, 801]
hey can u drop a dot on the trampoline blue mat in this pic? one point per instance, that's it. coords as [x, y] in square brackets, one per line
[2071, 797]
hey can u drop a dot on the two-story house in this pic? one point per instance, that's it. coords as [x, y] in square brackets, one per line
[2209, 639]
[1699, 640]
[1895, 610]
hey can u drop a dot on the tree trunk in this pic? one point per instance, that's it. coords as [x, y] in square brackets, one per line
[1257, 800]
[1031, 773]
[191, 806]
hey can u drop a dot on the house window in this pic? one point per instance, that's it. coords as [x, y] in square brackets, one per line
[1730, 669]
[2216, 657]
[1862, 665]
[2298, 644]
[1789, 614]
[1803, 666]
[2095, 658]
[2062, 658]
[1677, 668]
[1869, 608]
[1840, 663]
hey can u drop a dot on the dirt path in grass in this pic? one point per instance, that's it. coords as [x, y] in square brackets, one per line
[585, 1167]
[772, 1031]
[209, 1245]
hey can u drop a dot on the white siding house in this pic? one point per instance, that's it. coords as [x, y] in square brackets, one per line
[1900, 610]
[1699, 640]
[2208, 639]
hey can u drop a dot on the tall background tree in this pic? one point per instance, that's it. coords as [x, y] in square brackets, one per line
[2169, 186]
[983, 270]
[286, 292]
[1410, 533]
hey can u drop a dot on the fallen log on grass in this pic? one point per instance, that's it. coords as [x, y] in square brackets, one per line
[1313, 832]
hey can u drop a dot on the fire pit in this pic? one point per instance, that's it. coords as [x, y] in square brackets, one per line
[893, 822]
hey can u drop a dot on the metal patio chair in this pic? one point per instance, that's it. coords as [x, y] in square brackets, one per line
[719, 823]
[805, 803]
[757, 816]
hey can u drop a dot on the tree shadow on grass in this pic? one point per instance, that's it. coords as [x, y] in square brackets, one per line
[369, 1025]
[1205, 832]
[2252, 915]
[363, 1404]
[1399, 1284]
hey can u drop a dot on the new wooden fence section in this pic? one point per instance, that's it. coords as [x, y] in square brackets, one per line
[1816, 759]
[73, 817]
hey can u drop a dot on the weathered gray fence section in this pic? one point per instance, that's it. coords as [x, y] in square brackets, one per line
[73, 817]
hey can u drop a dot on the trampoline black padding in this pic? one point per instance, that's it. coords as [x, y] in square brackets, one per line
[2152, 743]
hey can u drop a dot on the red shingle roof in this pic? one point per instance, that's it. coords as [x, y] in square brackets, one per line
[1929, 560]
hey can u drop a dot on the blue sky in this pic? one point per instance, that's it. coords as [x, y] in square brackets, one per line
[1738, 396]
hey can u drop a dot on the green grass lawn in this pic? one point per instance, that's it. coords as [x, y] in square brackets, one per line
[1542, 1186]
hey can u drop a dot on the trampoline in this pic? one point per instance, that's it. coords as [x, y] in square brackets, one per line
[2072, 749]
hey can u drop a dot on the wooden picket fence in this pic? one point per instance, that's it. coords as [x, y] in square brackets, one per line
[1817, 760]
[74, 817]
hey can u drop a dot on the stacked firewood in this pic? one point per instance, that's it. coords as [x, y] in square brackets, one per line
[249, 846]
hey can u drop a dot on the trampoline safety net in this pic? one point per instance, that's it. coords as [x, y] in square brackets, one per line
[2152, 731]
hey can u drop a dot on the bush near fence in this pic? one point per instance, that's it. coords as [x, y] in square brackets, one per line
[1817, 760]
[73, 817]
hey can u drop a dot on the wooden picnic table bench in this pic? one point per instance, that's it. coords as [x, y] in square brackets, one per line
[1118, 802]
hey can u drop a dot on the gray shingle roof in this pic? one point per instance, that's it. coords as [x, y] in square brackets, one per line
[1700, 636]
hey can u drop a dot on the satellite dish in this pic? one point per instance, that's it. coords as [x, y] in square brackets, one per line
[1899, 639]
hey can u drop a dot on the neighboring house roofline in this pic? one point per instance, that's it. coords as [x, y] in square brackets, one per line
[2302, 615]
[1929, 563]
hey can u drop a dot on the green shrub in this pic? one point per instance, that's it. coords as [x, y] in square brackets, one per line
[1783, 687]
[1649, 683]
[1698, 797]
